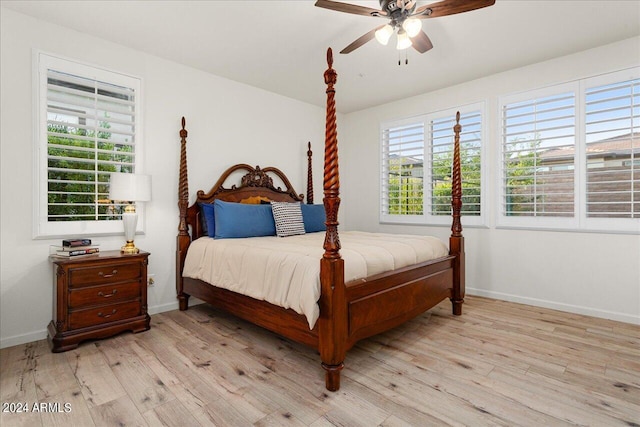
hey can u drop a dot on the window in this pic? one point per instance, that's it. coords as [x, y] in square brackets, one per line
[569, 155]
[441, 161]
[538, 156]
[412, 194]
[403, 169]
[88, 125]
[612, 137]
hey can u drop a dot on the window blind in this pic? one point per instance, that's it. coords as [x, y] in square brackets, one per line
[403, 169]
[441, 161]
[612, 132]
[91, 129]
[538, 156]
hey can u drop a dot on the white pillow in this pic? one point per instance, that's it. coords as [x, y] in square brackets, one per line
[288, 218]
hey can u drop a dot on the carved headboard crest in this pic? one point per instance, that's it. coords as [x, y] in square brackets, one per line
[255, 182]
[257, 178]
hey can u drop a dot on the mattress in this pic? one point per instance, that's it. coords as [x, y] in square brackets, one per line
[286, 271]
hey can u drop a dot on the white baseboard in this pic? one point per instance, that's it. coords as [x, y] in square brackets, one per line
[42, 334]
[23, 339]
[587, 311]
[163, 307]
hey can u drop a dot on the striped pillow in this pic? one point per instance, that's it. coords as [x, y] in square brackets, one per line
[288, 218]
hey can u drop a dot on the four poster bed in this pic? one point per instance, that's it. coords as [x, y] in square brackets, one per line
[348, 309]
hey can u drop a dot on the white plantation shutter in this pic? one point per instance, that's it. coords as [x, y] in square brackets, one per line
[403, 169]
[413, 193]
[612, 133]
[571, 155]
[88, 128]
[538, 156]
[441, 161]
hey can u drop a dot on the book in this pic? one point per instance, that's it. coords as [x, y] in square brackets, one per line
[69, 254]
[76, 242]
[60, 251]
[76, 248]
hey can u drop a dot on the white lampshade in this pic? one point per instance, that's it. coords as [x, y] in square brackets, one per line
[384, 34]
[130, 187]
[403, 40]
[412, 26]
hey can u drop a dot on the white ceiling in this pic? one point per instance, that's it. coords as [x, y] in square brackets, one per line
[280, 46]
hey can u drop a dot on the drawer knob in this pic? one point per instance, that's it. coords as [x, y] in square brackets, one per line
[106, 276]
[106, 316]
[102, 294]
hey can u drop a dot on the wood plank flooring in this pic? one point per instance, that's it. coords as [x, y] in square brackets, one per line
[499, 364]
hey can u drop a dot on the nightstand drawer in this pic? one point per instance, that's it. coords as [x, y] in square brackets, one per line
[109, 273]
[105, 294]
[104, 314]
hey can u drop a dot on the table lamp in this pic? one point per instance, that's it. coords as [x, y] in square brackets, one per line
[130, 188]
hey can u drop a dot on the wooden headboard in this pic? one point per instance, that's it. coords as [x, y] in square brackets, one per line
[255, 185]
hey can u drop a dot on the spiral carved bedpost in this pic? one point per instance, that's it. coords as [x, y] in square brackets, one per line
[456, 241]
[183, 239]
[332, 329]
[309, 175]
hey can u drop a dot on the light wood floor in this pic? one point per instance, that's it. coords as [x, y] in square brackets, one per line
[499, 364]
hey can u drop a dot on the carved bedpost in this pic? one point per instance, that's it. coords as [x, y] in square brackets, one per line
[331, 171]
[332, 329]
[183, 239]
[309, 175]
[456, 185]
[456, 241]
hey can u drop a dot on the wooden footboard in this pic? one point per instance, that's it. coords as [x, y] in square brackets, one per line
[387, 300]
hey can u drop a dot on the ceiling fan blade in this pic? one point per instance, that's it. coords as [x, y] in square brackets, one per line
[421, 42]
[450, 7]
[349, 8]
[361, 40]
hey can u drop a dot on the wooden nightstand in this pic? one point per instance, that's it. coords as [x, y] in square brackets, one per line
[97, 296]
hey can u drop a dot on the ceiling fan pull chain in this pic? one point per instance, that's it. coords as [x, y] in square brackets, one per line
[406, 58]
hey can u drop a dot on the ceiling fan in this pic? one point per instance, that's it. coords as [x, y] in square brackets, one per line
[405, 17]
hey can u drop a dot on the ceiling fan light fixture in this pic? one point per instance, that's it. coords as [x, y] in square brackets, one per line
[412, 26]
[404, 41]
[384, 34]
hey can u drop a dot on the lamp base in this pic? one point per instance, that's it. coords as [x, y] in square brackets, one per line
[129, 248]
[129, 220]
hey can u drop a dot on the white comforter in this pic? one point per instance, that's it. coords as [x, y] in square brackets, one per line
[286, 271]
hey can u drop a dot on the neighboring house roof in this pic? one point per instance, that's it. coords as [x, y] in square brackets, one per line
[407, 160]
[622, 145]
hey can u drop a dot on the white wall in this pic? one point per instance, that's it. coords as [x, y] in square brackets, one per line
[589, 273]
[228, 123]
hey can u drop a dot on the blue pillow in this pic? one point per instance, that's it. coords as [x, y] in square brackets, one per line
[209, 224]
[234, 220]
[314, 218]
